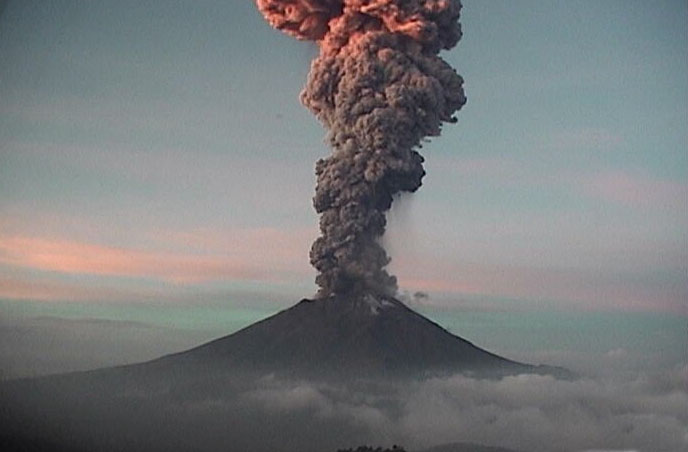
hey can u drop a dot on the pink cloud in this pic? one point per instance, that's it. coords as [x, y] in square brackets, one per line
[183, 258]
[286, 247]
[20, 289]
[73, 257]
[500, 171]
[586, 138]
[430, 284]
[43, 289]
[636, 190]
[484, 167]
[563, 288]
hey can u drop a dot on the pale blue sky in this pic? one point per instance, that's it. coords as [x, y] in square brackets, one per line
[156, 150]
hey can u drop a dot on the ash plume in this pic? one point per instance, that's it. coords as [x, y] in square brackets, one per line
[379, 87]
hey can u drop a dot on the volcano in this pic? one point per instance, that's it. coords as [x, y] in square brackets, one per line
[346, 336]
[363, 349]
[334, 338]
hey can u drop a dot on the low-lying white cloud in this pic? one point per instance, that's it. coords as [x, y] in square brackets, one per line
[536, 412]
[524, 412]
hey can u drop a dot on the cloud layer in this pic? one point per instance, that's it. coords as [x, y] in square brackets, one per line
[526, 412]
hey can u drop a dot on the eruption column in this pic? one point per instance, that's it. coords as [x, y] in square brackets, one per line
[379, 87]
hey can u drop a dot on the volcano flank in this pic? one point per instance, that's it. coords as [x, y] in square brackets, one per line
[347, 347]
[339, 338]
[354, 336]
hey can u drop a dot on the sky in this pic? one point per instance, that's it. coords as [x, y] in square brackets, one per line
[156, 167]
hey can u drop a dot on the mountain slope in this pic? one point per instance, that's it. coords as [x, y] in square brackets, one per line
[268, 387]
[352, 337]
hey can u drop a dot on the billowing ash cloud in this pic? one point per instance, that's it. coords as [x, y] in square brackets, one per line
[380, 87]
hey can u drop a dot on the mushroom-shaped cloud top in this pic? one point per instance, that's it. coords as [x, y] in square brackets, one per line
[303, 19]
[433, 23]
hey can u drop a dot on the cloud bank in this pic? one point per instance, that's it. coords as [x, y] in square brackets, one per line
[525, 412]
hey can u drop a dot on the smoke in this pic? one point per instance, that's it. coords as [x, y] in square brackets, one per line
[380, 88]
